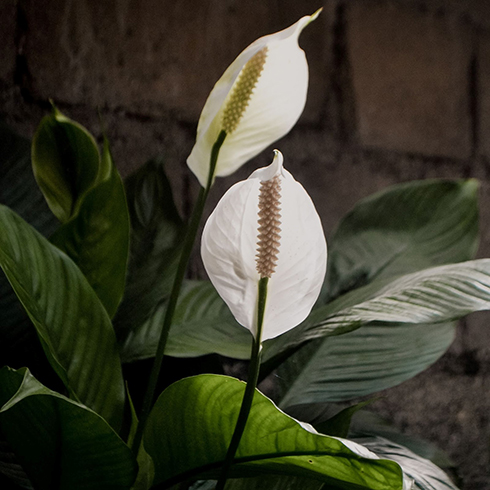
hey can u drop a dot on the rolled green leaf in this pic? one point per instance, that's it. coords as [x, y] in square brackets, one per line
[73, 326]
[60, 443]
[65, 160]
[191, 424]
[96, 238]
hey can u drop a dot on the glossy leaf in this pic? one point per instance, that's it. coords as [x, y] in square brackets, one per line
[402, 229]
[190, 427]
[96, 238]
[365, 423]
[156, 232]
[426, 475]
[432, 295]
[457, 241]
[202, 324]
[73, 326]
[65, 160]
[374, 357]
[61, 443]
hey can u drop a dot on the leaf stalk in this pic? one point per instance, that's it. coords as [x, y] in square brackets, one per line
[253, 374]
[187, 247]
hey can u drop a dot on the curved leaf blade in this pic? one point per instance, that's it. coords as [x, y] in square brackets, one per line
[61, 443]
[156, 232]
[19, 191]
[191, 424]
[96, 238]
[426, 475]
[402, 229]
[438, 294]
[410, 222]
[370, 359]
[73, 326]
[18, 188]
[366, 423]
[202, 325]
[65, 160]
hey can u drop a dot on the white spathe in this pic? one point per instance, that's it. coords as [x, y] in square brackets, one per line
[275, 104]
[229, 248]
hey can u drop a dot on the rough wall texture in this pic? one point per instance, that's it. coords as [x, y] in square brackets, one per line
[399, 90]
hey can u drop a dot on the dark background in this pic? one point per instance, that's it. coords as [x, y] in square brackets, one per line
[399, 90]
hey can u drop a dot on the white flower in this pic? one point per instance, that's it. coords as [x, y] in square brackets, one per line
[258, 100]
[287, 245]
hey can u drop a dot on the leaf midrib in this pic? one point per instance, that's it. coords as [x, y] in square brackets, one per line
[194, 472]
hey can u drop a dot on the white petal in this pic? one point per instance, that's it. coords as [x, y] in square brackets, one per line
[229, 246]
[302, 261]
[275, 105]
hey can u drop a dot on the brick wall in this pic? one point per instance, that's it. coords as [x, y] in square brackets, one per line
[399, 90]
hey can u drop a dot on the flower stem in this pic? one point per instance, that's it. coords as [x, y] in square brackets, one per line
[253, 374]
[187, 247]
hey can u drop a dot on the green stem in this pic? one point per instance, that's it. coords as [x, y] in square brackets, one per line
[187, 247]
[253, 374]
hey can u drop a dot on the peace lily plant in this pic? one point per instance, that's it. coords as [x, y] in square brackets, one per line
[257, 100]
[264, 250]
[106, 290]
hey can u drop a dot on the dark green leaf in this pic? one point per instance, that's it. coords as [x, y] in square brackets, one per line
[339, 424]
[191, 425]
[402, 229]
[375, 357]
[10, 467]
[66, 161]
[18, 188]
[426, 475]
[432, 295]
[146, 471]
[275, 482]
[156, 232]
[73, 326]
[19, 191]
[412, 247]
[61, 443]
[97, 237]
[202, 324]
[366, 423]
